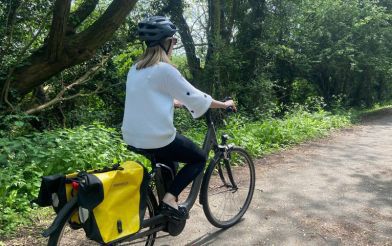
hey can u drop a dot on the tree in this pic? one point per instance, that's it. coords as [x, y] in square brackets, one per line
[345, 49]
[64, 46]
[219, 30]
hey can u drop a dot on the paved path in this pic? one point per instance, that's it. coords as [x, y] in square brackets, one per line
[337, 191]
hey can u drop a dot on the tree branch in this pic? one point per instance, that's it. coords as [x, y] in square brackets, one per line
[82, 94]
[196, 45]
[58, 28]
[60, 96]
[76, 18]
[106, 25]
[77, 48]
[96, 91]
[197, 20]
[5, 90]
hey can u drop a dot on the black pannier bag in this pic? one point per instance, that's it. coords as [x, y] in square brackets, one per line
[56, 190]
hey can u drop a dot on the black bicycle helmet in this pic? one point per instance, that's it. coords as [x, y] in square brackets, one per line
[154, 29]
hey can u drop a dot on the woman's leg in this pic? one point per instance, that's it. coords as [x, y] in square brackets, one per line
[182, 150]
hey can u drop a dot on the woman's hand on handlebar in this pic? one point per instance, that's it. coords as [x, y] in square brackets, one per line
[230, 104]
[224, 105]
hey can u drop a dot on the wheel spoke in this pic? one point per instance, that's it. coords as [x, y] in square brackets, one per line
[230, 188]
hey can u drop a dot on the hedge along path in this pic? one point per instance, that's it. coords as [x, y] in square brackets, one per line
[336, 191]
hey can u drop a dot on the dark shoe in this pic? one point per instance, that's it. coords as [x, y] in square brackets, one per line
[173, 213]
[183, 209]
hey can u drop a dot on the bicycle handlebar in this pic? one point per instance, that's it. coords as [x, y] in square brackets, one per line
[229, 109]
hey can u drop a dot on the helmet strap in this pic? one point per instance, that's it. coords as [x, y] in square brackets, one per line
[163, 47]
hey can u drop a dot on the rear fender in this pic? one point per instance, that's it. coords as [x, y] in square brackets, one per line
[63, 214]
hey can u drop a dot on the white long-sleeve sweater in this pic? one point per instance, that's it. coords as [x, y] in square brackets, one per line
[149, 108]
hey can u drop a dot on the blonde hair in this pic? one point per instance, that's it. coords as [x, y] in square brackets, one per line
[153, 55]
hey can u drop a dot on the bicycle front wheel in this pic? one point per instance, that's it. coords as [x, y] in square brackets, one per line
[228, 188]
[68, 235]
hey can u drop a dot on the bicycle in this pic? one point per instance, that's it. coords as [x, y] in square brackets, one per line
[222, 180]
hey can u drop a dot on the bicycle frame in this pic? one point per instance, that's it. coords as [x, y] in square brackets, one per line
[210, 142]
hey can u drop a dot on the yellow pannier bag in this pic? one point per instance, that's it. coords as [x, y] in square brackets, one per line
[112, 203]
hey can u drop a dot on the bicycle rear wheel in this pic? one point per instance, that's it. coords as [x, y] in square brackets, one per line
[228, 188]
[66, 236]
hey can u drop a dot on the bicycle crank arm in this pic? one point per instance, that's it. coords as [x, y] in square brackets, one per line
[156, 220]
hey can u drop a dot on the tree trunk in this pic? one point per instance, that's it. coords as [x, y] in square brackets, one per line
[58, 28]
[176, 11]
[211, 79]
[228, 16]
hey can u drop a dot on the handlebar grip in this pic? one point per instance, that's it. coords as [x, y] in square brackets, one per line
[229, 109]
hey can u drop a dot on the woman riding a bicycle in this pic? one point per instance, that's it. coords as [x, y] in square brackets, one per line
[225, 189]
[154, 86]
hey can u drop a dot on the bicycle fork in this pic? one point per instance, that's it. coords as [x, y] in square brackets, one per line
[226, 164]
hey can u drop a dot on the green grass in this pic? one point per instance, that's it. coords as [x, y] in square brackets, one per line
[260, 138]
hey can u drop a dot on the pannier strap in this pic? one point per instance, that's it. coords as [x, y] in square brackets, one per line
[108, 169]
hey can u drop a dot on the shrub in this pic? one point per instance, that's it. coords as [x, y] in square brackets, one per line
[25, 159]
[296, 126]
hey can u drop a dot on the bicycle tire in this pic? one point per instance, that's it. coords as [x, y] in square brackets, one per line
[65, 235]
[217, 182]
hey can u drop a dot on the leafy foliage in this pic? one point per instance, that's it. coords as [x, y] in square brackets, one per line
[24, 159]
[285, 51]
[345, 48]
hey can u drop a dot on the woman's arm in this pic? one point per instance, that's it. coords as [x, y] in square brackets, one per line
[196, 101]
[224, 105]
[177, 103]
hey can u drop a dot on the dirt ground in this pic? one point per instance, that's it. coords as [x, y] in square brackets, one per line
[335, 191]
